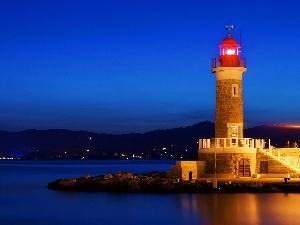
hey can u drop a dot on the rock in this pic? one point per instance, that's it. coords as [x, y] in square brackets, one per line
[133, 183]
[155, 182]
[255, 185]
[108, 176]
[67, 182]
[127, 176]
[86, 177]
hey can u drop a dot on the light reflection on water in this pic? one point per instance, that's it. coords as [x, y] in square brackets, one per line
[25, 199]
[243, 208]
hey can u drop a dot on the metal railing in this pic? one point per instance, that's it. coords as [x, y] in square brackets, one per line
[216, 63]
[231, 143]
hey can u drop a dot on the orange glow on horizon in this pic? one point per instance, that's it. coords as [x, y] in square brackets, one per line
[295, 126]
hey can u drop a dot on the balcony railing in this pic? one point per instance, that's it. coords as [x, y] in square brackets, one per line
[232, 143]
[216, 63]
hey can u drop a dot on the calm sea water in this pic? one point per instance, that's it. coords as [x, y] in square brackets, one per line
[25, 199]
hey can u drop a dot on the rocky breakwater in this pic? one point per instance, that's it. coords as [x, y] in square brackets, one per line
[156, 182]
[153, 182]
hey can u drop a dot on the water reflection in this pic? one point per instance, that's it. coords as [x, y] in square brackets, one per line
[24, 199]
[242, 208]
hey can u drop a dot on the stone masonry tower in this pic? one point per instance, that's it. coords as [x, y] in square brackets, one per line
[229, 69]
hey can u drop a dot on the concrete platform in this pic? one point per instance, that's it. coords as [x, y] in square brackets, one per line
[248, 180]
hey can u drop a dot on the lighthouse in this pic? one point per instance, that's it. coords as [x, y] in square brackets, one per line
[229, 68]
[229, 154]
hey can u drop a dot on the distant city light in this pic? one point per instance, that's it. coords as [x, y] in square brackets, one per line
[8, 158]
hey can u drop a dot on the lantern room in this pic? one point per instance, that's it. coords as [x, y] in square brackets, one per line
[229, 54]
[229, 47]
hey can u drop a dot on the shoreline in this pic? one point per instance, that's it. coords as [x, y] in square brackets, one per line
[156, 182]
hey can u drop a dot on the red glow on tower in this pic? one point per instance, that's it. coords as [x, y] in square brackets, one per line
[229, 54]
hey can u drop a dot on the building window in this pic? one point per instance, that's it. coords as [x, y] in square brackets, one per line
[234, 90]
[233, 131]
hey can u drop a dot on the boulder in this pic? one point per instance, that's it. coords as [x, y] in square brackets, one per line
[127, 176]
[67, 182]
[108, 176]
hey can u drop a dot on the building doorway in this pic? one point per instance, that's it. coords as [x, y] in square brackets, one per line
[263, 167]
[244, 168]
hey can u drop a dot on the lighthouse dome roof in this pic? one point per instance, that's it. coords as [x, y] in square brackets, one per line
[229, 41]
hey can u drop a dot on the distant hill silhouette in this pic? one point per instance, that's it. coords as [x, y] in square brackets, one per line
[279, 134]
[41, 143]
[60, 142]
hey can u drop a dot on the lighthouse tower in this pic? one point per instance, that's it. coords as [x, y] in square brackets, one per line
[229, 69]
[229, 154]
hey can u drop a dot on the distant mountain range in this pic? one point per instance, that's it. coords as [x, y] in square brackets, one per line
[170, 143]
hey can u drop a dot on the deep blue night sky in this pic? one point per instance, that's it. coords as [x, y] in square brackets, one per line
[120, 66]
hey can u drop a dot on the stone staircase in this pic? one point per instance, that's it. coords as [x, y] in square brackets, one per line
[291, 162]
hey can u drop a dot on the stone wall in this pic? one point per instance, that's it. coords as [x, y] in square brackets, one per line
[229, 107]
[182, 169]
[226, 163]
[277, 168]
[260, 157]
[274, 167]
